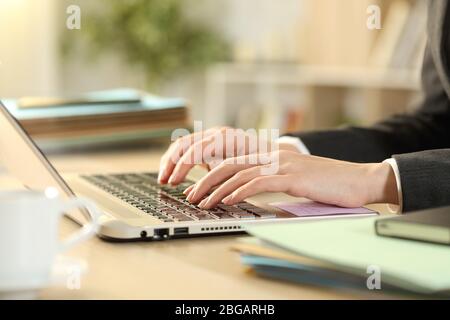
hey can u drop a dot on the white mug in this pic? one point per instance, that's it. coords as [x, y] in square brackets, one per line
[29, 236]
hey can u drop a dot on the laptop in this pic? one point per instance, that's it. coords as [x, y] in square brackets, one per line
[133, 205]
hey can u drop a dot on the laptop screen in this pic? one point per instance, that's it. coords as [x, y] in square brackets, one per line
[23, 159]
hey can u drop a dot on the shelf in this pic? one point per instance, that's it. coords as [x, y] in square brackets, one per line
[323, 90]
[301, 75]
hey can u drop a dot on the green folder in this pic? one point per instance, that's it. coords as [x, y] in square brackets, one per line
[351, 245]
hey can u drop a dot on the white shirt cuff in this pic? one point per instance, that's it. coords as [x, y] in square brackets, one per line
[399, 208]
[296, 142]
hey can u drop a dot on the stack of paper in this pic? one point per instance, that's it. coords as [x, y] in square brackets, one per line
[346, 253]
[108, 114]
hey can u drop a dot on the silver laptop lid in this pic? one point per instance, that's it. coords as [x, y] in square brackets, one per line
[23, 159]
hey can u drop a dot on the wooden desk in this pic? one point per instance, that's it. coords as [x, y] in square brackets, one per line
[200, 268]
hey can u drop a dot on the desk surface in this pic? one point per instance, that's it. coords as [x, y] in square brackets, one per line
[199, 268]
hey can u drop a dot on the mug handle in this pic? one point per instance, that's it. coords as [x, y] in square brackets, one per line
[88, 230]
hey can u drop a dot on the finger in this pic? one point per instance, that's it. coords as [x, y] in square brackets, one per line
[225, 170]
[176, 150]
[188, 189]
[214, 178]
[274, 183]
[193, 156]
[165, 169]
[171, 157]
[214, 163]
[232, 184]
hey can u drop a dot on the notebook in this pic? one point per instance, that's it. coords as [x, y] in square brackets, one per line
[427, 225]
[351, 245]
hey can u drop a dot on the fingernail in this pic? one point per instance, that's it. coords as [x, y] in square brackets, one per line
[188, 190]
[162, 172]
[227, 199]
[191, 194]
[203, 202]
[208, 204]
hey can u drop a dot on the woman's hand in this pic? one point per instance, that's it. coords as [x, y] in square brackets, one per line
[210, 147]
[325, 180]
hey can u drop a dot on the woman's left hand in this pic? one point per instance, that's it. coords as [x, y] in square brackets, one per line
[340, 183]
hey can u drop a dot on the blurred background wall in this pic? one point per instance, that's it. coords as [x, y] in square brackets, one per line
[29, 60]
[292, 64]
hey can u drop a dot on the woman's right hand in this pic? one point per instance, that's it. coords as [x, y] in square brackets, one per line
[209, 148]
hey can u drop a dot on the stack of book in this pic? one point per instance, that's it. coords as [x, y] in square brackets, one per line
[346, 254]
[112, 115]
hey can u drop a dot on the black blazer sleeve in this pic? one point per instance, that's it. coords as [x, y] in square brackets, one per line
[425, 175]
[425, 178]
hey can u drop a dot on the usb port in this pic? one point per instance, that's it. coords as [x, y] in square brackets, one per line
[180, 231]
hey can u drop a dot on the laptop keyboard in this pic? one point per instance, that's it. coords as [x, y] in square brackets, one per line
[168, 203]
